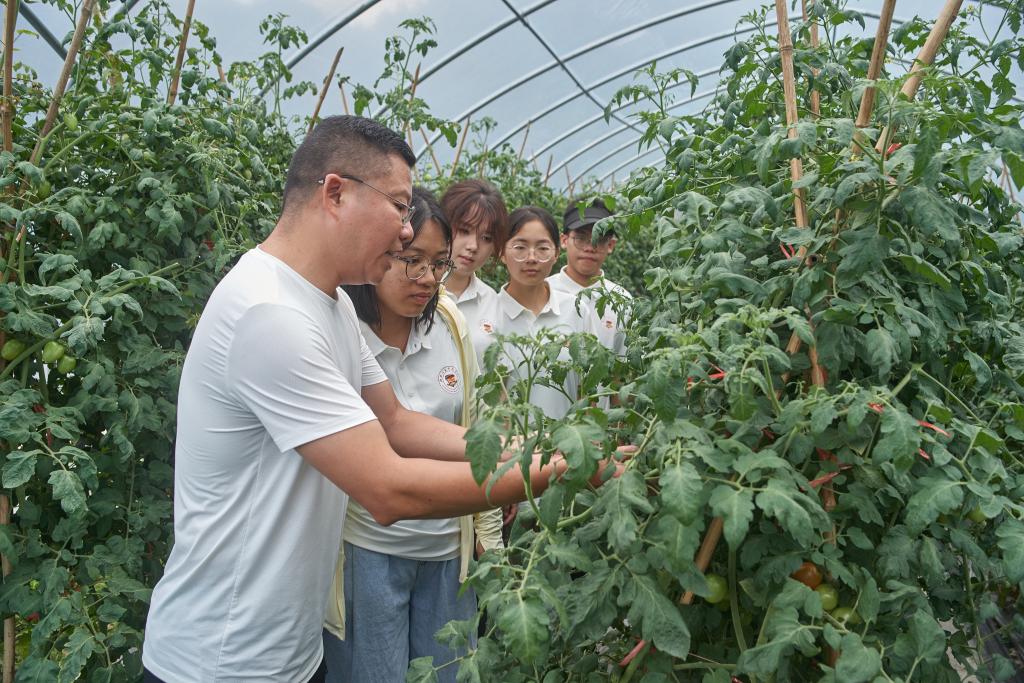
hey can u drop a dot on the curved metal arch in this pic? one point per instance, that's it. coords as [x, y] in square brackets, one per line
[704, 95]
[573, 55]
[473, 42]
[626, 163]
[51, 40]
[675, 51]
[563, 65]
[320, 38]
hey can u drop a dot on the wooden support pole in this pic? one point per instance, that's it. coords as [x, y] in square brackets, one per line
[707, 549]
[7, 114]
[430, 147]
[62, 80]
[327, 86]
[344, 100]
[815, 95]
[458, 150]
[408, 127]
[547, 173]
[925, 58]
[789, 90]
[867, 100]
[526, 134]
[186, 27]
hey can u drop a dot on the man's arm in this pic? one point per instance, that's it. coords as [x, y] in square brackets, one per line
[412, 434]
[361, 462]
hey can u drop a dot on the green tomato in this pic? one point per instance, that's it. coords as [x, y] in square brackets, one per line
[846, 615]
[976, 515]
[53, 352]
[66, 364]
[12, 349]
[72, 121]
[719, 588]
[829, 596]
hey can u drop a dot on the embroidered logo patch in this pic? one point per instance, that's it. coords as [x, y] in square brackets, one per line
[448, 378]
[487, 326]
[609, 324]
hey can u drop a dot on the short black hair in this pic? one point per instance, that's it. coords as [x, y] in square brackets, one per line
[525, 214]
[352, 145]
[364, 297]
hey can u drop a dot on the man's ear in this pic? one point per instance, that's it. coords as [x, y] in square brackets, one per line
[331, 191]
[611, 244]
[564, 239]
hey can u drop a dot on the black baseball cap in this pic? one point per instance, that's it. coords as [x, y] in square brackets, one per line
[592, 214]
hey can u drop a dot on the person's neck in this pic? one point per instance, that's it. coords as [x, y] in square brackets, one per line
[530, 297]
[287, 244]
[581, 279]
[457, 282]
[394, 330]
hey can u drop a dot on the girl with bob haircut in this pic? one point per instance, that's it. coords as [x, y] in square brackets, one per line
[479, 223]
[396, 586]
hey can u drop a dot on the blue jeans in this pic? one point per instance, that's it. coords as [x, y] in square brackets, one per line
[393, 608]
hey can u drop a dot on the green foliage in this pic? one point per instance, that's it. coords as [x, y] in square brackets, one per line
[130, 215]
[909, 297]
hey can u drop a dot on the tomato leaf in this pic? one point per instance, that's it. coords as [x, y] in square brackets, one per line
[736, 507]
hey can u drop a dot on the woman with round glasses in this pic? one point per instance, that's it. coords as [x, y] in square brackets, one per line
[397, 585]
[479, 222]
[527, 304]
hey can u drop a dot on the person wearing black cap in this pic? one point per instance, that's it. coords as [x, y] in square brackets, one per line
[583, 270]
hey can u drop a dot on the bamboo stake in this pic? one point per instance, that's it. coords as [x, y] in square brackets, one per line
[458, 150]
[7, 114]
[547, 173]
[815, 95]
[707, 549]
[323, 90]
[867, 100]
[789, 90]
[62, 81]
[344, 100]
[430, 147]
[186, 28]
[526, 134]
[408, 126]
[924, 59]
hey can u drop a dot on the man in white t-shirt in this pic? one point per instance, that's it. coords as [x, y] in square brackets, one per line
[584, 270]
[283, 413]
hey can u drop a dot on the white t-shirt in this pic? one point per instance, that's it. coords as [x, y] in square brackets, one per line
[475, 302]
[427, 378]
[558, 315]
[611, 331]
[275, 363]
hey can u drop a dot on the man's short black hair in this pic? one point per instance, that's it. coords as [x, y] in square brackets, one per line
[592, 213]
[351, 145]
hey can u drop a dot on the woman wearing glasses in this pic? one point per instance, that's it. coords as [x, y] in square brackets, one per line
[527, 304]
[397, 585]
[479, 222]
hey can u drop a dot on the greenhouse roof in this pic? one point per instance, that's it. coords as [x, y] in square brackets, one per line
[544, 70]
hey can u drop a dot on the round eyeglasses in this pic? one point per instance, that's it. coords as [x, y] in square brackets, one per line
[582, 240]
[520, 252]
[417, 266]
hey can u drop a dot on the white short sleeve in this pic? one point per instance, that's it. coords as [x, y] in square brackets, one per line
[292, 376]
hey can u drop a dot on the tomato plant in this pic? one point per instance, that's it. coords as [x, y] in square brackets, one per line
[875, 356]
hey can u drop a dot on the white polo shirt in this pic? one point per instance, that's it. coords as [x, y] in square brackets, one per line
[611, 330]
[559, 315]
[473, 303]
[427, 378]
[275, 363]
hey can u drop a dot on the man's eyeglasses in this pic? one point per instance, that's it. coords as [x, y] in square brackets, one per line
[407, 210]
[520, 252]
[417, 266]
[582, 240]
